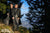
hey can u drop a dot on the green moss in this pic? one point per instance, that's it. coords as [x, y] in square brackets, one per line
[0, 28]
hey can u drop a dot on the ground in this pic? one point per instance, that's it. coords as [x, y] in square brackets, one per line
[21, 28]
[3, 26]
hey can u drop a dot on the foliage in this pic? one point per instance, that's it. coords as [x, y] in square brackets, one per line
[15, 1]
[3, 8]
[36, 14]
[23, 30]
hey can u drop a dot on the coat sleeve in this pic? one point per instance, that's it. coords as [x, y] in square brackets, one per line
[19, 14]
[12, 12]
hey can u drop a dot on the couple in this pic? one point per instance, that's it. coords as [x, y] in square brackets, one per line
[15, 14]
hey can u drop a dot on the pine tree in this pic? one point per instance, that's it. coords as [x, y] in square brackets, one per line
[36, 14]
[17, 2]
[47, 16]
[3, 7]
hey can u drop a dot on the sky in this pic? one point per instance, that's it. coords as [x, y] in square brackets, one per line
[24, 8]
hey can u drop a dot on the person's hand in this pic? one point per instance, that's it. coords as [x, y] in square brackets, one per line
[18, 18]
[12, 17]
[8, 14]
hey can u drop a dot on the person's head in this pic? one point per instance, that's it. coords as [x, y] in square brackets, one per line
[16, 5]
[11, 5]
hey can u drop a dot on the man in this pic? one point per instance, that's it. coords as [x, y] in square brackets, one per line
[15, 12]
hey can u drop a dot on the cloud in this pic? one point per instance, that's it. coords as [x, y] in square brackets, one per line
[24, 9]
[23, 6]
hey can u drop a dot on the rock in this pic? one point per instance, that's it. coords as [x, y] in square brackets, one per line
[4, 28]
